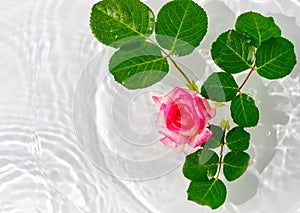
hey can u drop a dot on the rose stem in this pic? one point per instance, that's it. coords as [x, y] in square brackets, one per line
[179, 69]
[221, 154]
[172, 60]
[246, 79]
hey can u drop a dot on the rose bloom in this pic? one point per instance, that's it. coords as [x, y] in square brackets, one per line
[184, 116]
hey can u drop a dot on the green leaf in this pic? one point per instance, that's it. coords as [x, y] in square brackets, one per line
[238, 139]
[216, 139]
[219, 86]
[201, 165]
[140, 67]
[275, 58]
[244, 111]
[233, 52]
[211, 193]
[258, 27]
[235, 164]
[181, 26]
[116, 23]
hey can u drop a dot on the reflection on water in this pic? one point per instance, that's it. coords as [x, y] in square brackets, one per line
[45, 166]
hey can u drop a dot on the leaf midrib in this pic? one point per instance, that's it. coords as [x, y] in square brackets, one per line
[258, 31]
[237, 54]
[243, 108]
[123, 23]
[226, 87]
[209, 189]
[234, 166]
[207, 165]
[273, 59]
[139, 64]
[237, 141]
[179, 29]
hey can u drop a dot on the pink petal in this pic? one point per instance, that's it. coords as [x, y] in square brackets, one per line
[174, 93]
[181, 117]
[211, 111]
[189, 121]
[205, 108]
[189, 150]
[185, 148]
[176, 138]
[157, 100]
[179, 148]
[201, 138]
[192, 92]
[171, 116]
[180, 93]
[160, 120]
[167, 142]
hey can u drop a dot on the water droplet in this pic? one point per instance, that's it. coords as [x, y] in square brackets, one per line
[175, 54]
[252, 92]
[204, 53]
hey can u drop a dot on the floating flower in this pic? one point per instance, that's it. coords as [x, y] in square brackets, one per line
[184, 116]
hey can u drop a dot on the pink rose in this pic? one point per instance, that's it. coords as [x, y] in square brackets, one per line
[184, 117]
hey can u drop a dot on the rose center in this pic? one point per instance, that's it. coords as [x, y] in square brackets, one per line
[180, 118]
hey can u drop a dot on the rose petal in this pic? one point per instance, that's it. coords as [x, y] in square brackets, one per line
[179, 94]
[211, 111]
[201, 138]
[160, 120]
[189, 150]
[174, 93]
[185, 148]
[181, 117]
[167, 142]
[176, 138]
[205, 108]
[192, 92]
[172, 117]
[179, 148]
[185, 98]
[157, 100]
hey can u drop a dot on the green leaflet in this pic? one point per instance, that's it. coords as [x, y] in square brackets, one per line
[219, 86]
[117, 23]
[238, 139]
[275, 58]
[244, 111]
[211, 193]
[233, 52]
[181, 26]
[201, 165]
[235, 164]
[140, 67]
[257, 26]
